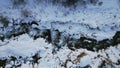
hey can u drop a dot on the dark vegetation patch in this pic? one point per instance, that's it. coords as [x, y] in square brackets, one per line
[18, 61]
[69, 3]
[4, 21]
[75, 3]
[17, 3]
[87, 43]
[72, 43]
[81, 3]
[64, 3]
[106, 62]
[24, 28]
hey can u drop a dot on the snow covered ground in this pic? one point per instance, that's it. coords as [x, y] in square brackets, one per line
[105, 17]
[99, 22]
[26, 46]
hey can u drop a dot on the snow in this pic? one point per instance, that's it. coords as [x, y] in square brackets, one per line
[26, 46]
[73, 21]
[23, 46]
[85, 61]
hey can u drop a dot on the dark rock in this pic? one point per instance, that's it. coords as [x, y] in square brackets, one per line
[34, 22]
[70, 3]
[116, 38]
[36, 59]
[88, 43]
[2, 37]
[3, 63]
[103, 44]
[13, 58]
[46, 34]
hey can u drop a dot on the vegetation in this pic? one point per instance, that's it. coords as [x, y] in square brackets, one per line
[116, 38]
[90, 43]
[72, 43]
[17, 3]
[72, 3]
[4, 21]
[17, 61]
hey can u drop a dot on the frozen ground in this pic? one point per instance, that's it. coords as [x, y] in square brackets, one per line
[99, 22]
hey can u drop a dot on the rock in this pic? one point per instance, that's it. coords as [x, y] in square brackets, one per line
[116, 38]
[103, 44]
